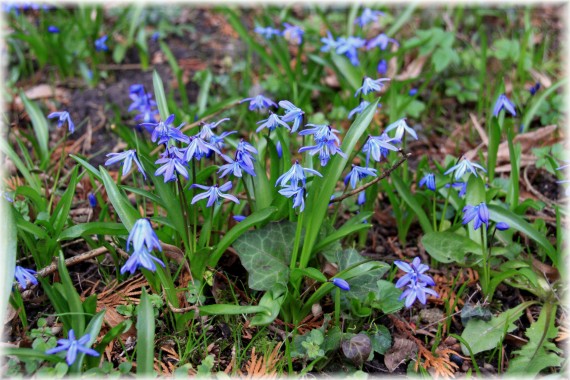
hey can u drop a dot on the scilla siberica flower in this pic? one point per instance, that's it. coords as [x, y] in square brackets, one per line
[367, 16]
[163, 131]
[100, 44]
[53, 29]
[382, 68]
[198, 148]
[328, 42]
[73, 346]
[127, 157]
[172, 161]
[292, 114]
[295, 192]
[462, 186]
[479, 214]
[63, 117]
[244, 153]
[358, 173]
[295, 175]
[208, 135]
[349, 47]
[371, 85]
[267, 32]
[340, 283]
[143, 103]
[381, 41]
[143, 240]
[214, 193]
[271, 123]
[504, 103]
[259, 102]
[534, 89]
[361, 107]
[429, 181]
[377, 147]
[235, 168]
[326, 143]
[25, 276]
[462, 167]
[92, 200]
[293, 33]
[416, 281]
[400, 126]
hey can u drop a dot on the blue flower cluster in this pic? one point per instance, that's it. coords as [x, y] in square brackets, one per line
[25, 276]
[293, 184]
[479, 214]
[143, 104]
[291, 33]
[416, 281]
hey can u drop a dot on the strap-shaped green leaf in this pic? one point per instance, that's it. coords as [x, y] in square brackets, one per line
[145, 336]
[120, 202]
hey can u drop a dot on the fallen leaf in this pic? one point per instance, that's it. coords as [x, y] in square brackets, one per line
[402, 350]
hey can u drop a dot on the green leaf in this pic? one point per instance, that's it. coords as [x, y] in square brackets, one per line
[381, 339]
[229, 309]
[449, 247]
[72, 297]
[313, 273]
[90, 168]
[32, 180]
[271, 301]
[366, 281]
[265, 253]
[231, 236]
[539, 353]
[482, 336]
[534, 107]
[8, 245]
[500, 214]
[350, 72]
[145, 336]
[506, 49]
[409, 198]
[61, 211]
[120, 202]
[204, 78]
[387, 297]
[323, 187]
[353, 225]
[159, 95]
[99, 228]
[40, 124]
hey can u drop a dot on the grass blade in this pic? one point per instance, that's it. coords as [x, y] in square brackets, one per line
[145, 336]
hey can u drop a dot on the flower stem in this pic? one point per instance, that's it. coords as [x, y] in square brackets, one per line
[297, 242]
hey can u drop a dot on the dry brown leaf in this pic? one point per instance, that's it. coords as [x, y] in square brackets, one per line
[413, 70]
[402, 350]
[479, 129]
[265, 366]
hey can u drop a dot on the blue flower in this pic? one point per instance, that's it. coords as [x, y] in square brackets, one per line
[293, 33]
[414, 273]
[7, 196]
[367, 16]
[417, 290]
[381, 41]
[128, 157]
[214, 193]
[462, 186]
[171, 161]
[100, 44]
[267, 32]
[358, 173]
[504, 103]
[244, 153]
[295, 175]
[271, 123]
[416, 281]
[206, 132]
[143, 236]
[143, 103]
[502, 226]
[348, 47]
[292, 114]
[358, 109]
[325, 149]
[328, 42]
[235, 168]
[429, 181]
[378, 147]
[534, 89]
[259, 102]
[298, 195]
[239, 218]
[462, 167]
[163, 131]
[63, 117]
[92, 200]
[382, 67]
[198, 148]
[25, 276]
[53, 29]
[340, 283]
[370, 85]
[141, 258]
[155, 36]
[413, 91]
[400, 126]
[361, 198]
[479, 214]
[72, 346]
[321, 132]
[279, 149]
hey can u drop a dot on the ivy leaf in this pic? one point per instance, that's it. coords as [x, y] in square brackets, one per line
[357, 349]
[265, 254]
[449, 247]
[381, 340]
